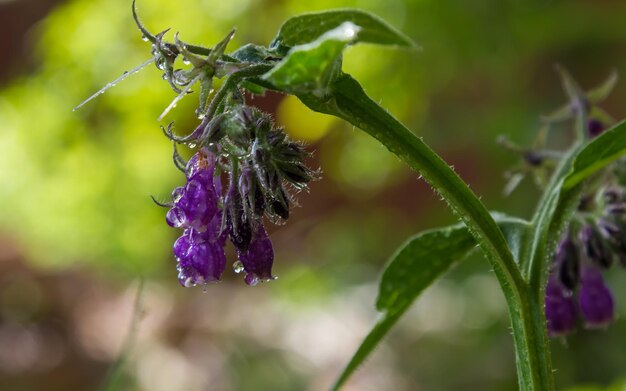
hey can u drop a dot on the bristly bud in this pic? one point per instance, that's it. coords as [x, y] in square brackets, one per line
[567, 263]
[616, 236]
[595, 247]
[595, 298]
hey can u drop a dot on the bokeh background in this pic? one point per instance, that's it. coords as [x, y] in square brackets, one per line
[78, 231]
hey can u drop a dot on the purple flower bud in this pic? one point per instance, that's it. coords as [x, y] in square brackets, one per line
[595, 247]
[612, 195]
[616, 208]
[258, 259]
[595, 128]
[567, 263]
[560, 309]
[595, 299]
[533, 158]
[239, 230]
[616, 237]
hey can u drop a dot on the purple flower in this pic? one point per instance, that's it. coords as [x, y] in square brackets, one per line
[195, 204]
[257, 260]
[259, 161]
[200, 256]
[560, 309]
[595, 298]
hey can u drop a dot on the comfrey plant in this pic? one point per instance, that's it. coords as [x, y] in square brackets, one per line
[244, 169]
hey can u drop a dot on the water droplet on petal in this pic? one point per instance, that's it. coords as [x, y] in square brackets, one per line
[189, 282]
[177, 194]
[175, 217]
[252, 279]
[238, 267]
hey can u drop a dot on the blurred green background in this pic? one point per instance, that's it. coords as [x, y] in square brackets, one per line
[78, 229]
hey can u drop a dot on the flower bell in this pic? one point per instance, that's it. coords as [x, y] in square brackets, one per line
[560, 309]
[595, 299]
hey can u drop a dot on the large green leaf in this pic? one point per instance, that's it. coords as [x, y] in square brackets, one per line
[306, 28]
[310, 68]
[414, 267]
[418, 262]
[597, 154]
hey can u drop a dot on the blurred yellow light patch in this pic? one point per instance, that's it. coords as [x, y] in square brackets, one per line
[300, 122]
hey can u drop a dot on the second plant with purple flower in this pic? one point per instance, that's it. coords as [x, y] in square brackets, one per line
[244, 168]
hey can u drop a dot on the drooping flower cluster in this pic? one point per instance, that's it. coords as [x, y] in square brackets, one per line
[259, 161]
[596, 235]
[576, 288]
[235, 141]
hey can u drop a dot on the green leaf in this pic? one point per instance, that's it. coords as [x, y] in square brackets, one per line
[418, 262]
[597, 154]
[309, 68]
[306, 28]
[251, 53]
[414, 267]
[515, 230]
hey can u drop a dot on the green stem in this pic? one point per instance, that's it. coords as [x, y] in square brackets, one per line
[532, 355]
[347, 100]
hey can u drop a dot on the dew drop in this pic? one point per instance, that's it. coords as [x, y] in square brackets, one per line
[186, 62]
[252, 279]
[175, 218]
[177, 194]
[238, 267]
[191, 145]
[144, 38]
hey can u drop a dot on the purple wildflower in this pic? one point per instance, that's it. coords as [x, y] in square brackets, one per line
[560, 309]
[200, 256]
[195, 204]
[257, 260]
[595, 298]
[260, 162]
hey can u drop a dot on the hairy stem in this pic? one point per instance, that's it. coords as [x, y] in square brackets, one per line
[346, 99]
